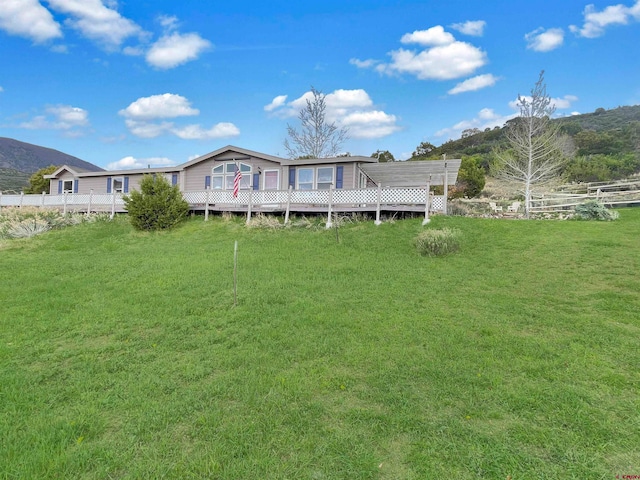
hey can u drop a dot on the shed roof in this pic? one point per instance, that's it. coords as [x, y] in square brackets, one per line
[412, 174]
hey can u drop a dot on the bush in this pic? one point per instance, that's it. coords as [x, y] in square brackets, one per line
[594, 210]
[471, 179]
[157, 206]
[437, 242]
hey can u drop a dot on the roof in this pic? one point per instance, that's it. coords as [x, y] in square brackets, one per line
[412, 173]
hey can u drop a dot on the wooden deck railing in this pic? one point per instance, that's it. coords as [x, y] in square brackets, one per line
[252, 201]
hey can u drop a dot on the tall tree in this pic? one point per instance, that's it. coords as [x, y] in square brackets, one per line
[317, 138]
[536, 150]
[383, 156]
[37, 182]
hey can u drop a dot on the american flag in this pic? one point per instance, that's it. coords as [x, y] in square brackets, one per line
[236, 181]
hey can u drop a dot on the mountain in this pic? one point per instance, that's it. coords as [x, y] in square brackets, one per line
[18, 160]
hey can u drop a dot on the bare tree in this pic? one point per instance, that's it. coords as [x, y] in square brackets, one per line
[317, 138]
[536, 149]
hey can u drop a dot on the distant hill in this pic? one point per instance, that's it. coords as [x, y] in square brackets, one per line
[18, 160]
[615, 131]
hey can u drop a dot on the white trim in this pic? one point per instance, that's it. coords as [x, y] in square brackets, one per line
[113, 184]
[67, 190]
[314, 182]
[247, 176]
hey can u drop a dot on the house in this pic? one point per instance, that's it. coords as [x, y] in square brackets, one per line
[216, 171]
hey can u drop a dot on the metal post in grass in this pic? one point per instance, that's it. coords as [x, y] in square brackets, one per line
[206, 206]
[235, 274]
[249, 206]
[329, 201]
[446, 188]
[379, 197]
[286, 215]
[426, 204]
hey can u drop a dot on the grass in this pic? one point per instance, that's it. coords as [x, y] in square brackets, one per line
[122, 356]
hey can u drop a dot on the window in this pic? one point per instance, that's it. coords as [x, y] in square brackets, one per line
[222, 176]
[325, 178]
[271, 180]
[67, 186]
[118, 185]
[305, 179]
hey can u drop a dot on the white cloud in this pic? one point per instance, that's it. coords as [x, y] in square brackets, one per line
[275, 103]
[141, 115]
[168, 105]
[196, 132]
[486, 118]
[541, 40]
[353, 109]
[372, 124]
[363, 63]
[28, 18]
[445, 58]
[58, 117]
[430, 37]
[473, 84]
[144, 129]
[129, 162]
[168, 22]
[175, 49]
[595, 22]
[96, 21]
[560, 103]
[473, 28]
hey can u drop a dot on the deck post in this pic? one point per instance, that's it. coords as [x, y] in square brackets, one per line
[286, 215]
[328, 225]
[42, 200]
[21, 198]
[90, 201]
[206, 207]
[113, 205]
[378, 198]
[426, 204]
[249, 206]
[64, 204]
[446, 189]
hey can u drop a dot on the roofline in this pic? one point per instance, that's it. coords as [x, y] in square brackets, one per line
[243, 151]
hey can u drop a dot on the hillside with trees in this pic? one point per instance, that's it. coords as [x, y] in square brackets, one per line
[606, 144]
[18, 160]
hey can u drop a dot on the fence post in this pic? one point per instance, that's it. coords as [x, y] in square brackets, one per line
[206, 207]
[328, 225]
[426, 205]
[42, 200]
[379, 197]
[286, 215]
[249, 206]
[64, 205]
[21, 197]
[90, 199]
[0, 199]
[446, 189]
[113, 205]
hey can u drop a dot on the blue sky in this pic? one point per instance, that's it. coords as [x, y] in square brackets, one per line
[126, 84]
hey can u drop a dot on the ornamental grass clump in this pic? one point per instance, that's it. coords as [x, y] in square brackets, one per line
[594, 210]
[438, 242]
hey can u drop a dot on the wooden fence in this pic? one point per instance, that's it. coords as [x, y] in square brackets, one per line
[626, 193]
[378, 200]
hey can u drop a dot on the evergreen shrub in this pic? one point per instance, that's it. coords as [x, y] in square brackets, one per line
[157, 206]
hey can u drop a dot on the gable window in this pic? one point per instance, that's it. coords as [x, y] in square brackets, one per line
[325, 178]
[67, 186]
[305, 178]
[222, 176]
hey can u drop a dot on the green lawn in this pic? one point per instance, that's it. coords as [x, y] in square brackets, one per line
[122, 355]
